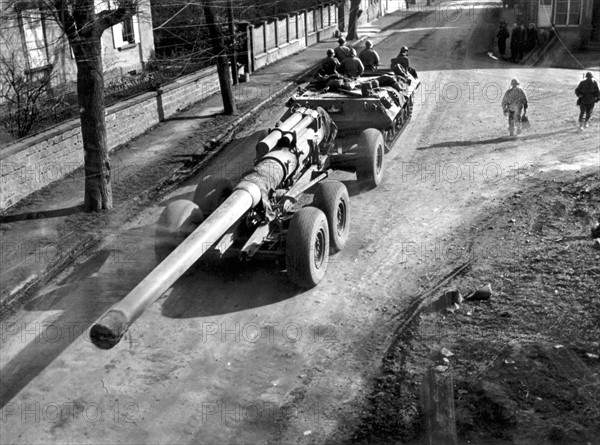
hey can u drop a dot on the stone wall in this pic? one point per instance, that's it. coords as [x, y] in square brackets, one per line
[32, 163]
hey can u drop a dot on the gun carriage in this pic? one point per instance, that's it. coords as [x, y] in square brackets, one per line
[262, 214]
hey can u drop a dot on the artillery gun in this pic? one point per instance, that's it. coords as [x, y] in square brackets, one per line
[370, 111]
[260, 215]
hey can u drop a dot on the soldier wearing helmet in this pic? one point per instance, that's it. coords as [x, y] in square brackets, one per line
[369, 56]
[342, 51]
[352, 66]
[330, 64]
[401, 65]
[513, 103]
[587, 95]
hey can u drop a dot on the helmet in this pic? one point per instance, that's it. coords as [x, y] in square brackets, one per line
[330, 52]
[589, 75]
[514, 82]
[404, 50]
[341, 40]
[352, 52]
[368, 44]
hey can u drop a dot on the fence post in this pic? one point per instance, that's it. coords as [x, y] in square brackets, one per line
[305, 28]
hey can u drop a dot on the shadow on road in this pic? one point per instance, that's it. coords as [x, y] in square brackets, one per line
[531, 137]
[222, 286]
[44, 214]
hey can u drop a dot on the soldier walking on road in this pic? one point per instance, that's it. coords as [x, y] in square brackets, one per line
[369, 56]
[342, 51]
[513, 103]
[588, 94]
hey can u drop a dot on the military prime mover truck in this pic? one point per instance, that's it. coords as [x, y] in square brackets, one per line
[369, 112]
[263, 214]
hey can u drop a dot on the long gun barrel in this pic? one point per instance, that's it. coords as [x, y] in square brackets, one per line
[269, 173]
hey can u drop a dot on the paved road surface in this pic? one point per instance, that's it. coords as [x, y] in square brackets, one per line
[234, 354]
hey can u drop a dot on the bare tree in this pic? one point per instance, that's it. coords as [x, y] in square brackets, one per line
[20, 92]
[355, 13]
[216, 34]
[84, 27]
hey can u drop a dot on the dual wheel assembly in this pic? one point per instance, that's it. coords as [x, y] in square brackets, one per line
[315, 232]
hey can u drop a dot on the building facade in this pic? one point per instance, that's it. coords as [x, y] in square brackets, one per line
[33, 45]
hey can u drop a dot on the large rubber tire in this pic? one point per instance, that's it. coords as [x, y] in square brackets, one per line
[210, 194]
[333, 200]
[370, 163]
[307, 247]
[177, 221]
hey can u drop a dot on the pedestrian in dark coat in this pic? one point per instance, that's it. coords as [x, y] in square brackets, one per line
[588, 94]
[521, 46]
[515, 42]
[502, 35]
[531, 39]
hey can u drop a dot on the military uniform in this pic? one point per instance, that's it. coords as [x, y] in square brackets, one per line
[588, 93]
[341, 52]
[330, 65]
[369, 58]
[513, 103]
[352, 67]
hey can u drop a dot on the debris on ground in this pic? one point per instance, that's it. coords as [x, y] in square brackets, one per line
[525, 365]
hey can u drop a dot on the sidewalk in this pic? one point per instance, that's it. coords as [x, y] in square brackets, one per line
[47, 231]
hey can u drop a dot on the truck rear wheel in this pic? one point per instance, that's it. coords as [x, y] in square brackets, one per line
[177, 221]
[307, 247]
[210, 194]
[333, 200]
[369, 166]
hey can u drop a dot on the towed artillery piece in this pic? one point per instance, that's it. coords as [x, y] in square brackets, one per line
[260, 215]
[369, 111]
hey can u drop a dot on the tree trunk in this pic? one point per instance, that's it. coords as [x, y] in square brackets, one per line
[216, 36]
[355, 13]
[90, 89]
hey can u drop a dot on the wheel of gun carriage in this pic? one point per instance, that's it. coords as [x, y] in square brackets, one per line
[332, 199]
[177, 221]
[210, 194]
[307, 247]
[370, 162]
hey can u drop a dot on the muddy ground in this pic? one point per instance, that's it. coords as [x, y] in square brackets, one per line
[523, 366]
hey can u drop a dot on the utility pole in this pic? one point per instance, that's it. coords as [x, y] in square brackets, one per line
[219, 51]
[234, 67]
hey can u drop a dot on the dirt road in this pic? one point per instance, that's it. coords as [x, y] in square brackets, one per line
[233, 353]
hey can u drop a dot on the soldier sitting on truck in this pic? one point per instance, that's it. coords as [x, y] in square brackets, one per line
[401, 65]
[352, 66]
[330, 64]
[369, 57]
[342, 51]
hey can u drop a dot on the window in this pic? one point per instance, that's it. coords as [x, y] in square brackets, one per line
[36, 47]
[568, 12]
[127, 32]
